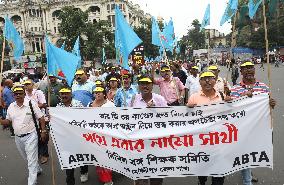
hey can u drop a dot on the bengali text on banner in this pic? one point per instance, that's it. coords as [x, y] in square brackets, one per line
[214, 140]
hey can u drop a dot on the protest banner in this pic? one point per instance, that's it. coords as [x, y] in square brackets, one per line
[138, 55]
[214, 140]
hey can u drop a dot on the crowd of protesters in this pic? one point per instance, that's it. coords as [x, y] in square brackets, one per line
[25, 98]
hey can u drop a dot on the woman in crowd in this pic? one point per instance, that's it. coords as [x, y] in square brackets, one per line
[112, 85]
[105, 175]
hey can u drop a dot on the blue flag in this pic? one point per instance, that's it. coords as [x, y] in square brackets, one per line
[206, 18]
[60, 63]
[104, 57]
[14, 39]
[253, 7]
[125, 38]
[230, 11]
[63, 46]
[169, 33]
[76, 50]
[158, 38]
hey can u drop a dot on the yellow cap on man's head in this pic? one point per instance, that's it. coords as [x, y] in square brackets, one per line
[98, 89]
[18, 89]
[27, 82]
[145, 80]
[207, 74]
[212, 68]
[245, 64]
[80, 72]
[65, 90]
[194, 67]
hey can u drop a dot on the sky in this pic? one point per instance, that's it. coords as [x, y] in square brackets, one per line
[183, 12]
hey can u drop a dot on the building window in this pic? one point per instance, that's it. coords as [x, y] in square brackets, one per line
[112, 7]
[35, 28]
[32, 29]
[54, 29]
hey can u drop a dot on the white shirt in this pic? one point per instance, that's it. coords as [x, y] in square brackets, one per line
[37, 96]
[219, 86]
[192, 84]
[108, 104]
[21, 117]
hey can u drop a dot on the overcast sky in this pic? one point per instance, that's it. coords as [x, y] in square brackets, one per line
[184, 12]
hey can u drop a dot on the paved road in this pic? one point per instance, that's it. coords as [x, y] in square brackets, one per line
[13, 170]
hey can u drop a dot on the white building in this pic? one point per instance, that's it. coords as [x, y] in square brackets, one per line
[34, 18]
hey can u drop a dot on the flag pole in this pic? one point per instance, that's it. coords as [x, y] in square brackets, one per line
[48, 104]
[266, 44]
[233, 42]
[164, 50]
[267, 57]
[2, 59]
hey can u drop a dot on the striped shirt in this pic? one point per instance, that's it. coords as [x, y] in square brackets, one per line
[83, 92]
[238, 90]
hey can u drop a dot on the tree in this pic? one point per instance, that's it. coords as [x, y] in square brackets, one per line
[74, 23]
[196, 38]
[145, 34]
[99, 36]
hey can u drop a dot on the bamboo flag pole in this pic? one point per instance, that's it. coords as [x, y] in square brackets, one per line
[266, 44]
[233, 42]
[48, 103]
[267, 56]
[2, 59]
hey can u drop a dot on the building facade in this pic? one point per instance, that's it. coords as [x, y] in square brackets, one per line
[214, 38]
[34, 18]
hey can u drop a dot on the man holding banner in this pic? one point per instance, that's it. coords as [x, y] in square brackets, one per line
[247, 87]
[207, 95]
[147, 99]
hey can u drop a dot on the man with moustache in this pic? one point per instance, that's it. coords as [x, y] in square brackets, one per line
[126, 92]
[207, 95]
[146, 98]
[20, 115]
[82, 91]
[246, 87]
[67, 101]
[171, 88]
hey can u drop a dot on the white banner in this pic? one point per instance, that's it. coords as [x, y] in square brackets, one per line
[214, 140]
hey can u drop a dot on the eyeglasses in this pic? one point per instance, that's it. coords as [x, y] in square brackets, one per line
[208, 78]
[18, 94]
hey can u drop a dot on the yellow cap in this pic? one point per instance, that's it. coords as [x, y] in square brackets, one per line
[65, 90]
[79, 72]
[145, 80]
[212, 68]
[113, 79]
[98, 89]
[247, 64]
[207, 74]
[18, 89]
[194, 67]
[165, 68]
[27, 82]
[98, 82]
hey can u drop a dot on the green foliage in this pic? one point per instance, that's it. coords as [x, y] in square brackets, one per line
[195, 37]
[251, 32]
[93, 36]
[145, 34]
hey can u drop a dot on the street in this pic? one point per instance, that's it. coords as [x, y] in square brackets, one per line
[13, 169]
